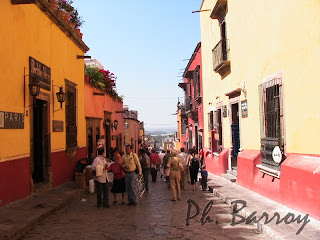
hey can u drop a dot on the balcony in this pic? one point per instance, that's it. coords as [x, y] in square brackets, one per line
[221, 60]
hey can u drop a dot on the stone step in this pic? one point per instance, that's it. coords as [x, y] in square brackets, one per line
[230, 177]
[232, 172]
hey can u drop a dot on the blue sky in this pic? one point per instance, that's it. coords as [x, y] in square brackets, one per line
[144, 43]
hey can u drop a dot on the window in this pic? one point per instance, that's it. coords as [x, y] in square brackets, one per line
[71, 115]
[271, 120]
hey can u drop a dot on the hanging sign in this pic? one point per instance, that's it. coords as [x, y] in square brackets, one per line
[41, 72]
[276, 154]
[10, 120]
[244, 108]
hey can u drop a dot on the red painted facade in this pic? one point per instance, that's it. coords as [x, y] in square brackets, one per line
[14, 186]
[298, 186]
[62, 168]
[192, 109]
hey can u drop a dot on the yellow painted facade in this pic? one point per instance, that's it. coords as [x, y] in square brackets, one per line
[266, 38]
[28, 31]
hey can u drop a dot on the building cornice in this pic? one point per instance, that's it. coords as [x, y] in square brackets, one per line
[45, 7]
[191, 59]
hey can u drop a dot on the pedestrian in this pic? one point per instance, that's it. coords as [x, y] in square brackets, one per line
[131, 166]
[204, 178]
[184, 177]
[99, 165]
[188, 163]
[165, 162]
[154, 161]
[145, 165]
[119, 184]
[201, 156]
[161, 156]
[194, 170]
[175, 168]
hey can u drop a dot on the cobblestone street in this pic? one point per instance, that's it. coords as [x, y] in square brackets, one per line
[155, 218]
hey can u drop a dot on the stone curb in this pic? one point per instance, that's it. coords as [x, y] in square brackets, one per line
[35, 220]
[260, 227]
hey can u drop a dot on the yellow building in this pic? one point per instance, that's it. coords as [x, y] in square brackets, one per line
[260, 103]
[40, 143]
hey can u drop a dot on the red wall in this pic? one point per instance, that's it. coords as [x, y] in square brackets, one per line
[217, 165]
[14, 180]
[62, 168]
[297, 188]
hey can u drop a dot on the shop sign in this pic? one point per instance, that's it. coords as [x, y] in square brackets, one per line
[41, 72]
[224, 111]
[276, 154]
[57, 126]
[216, 136]
[244, 108]
[10, 120]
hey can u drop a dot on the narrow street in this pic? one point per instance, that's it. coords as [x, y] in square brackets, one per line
[155, 218]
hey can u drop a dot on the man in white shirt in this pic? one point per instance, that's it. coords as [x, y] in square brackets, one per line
[161, 155]
[100, 166]
[184, 177]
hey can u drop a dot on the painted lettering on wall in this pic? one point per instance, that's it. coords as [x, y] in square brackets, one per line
[11, 120]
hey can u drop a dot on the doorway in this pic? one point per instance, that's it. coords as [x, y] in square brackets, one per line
[235, 134]
[41, 140]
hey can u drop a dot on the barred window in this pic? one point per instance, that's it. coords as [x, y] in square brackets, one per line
[71, 115]
[271, 120]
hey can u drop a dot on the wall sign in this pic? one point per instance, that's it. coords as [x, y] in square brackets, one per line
[10, 120]
[41, 72]
[224, 111]
[276, 154]
[57, 126]
[244, 108]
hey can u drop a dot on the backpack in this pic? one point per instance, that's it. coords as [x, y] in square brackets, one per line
[145, 161]
[194, 164]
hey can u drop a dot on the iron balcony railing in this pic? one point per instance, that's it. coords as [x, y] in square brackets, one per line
[220, 53]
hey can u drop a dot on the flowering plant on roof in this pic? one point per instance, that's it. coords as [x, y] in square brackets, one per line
[103, 80]
[66, 6]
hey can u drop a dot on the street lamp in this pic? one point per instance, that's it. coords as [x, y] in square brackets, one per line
[61, 96]
[34, 89]
[115, 124]
[126, 125]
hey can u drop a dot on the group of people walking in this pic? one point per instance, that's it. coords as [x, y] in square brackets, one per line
[183, 168]
[178, 170]
[125, 170]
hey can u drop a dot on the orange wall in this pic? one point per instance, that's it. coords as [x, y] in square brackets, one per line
[96, 105]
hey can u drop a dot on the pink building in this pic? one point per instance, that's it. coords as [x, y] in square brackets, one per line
[192, 110]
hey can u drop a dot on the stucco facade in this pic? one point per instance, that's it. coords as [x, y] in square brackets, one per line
[39, 153]
[270, 52]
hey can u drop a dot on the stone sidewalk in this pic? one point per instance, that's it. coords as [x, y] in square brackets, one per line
[229, 192]
[19, 217]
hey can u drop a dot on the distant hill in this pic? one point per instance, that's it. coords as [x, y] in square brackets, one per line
[160, 132]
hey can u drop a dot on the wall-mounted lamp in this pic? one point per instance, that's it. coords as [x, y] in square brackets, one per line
[179, 105]
[115, 124]
[61, 97]
[126, 125]
[107, 123]
[244, 90]
[34, 89]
